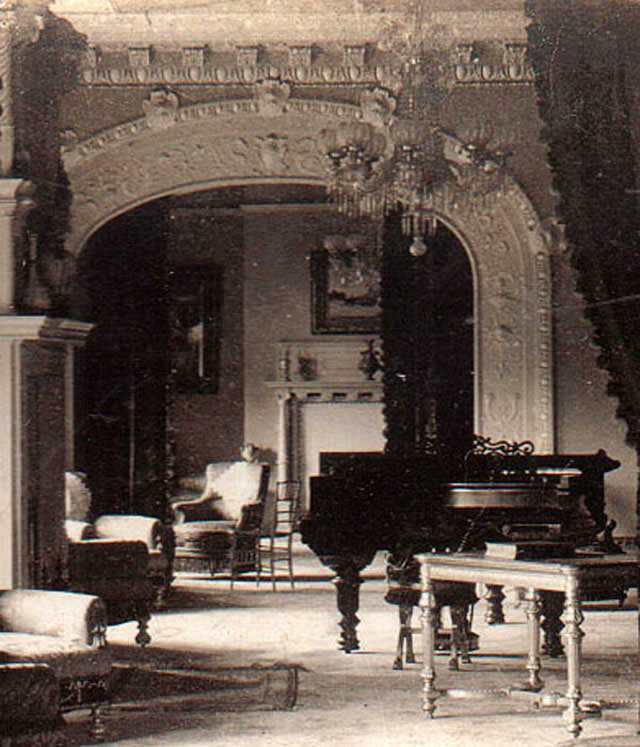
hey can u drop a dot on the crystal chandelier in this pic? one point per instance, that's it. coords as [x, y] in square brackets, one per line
[372, 175]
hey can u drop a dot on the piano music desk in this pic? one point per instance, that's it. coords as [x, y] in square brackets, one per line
[564, 575]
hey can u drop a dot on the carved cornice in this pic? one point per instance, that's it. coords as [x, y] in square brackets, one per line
[309, 65]
[336, 392]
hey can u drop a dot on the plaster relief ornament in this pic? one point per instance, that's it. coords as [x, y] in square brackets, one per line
[271, 96]
[273, 150]
[264, 155]
[161, 108]
[377, 106]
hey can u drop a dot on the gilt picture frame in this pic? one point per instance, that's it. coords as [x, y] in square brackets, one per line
[345, 286]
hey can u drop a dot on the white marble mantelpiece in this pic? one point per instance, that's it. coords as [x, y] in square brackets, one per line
[324, 404]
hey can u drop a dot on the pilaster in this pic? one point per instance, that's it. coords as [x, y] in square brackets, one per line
[15, 202]
[36, 442]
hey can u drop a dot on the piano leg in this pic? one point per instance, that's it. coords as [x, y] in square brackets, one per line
[552, 605]
[347, 583]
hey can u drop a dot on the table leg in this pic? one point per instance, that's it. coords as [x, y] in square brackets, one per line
[573, 634]
[494, 596]
[428, 621]
[533, 610]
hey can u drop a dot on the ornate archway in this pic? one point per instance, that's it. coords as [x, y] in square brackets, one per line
[273, 138]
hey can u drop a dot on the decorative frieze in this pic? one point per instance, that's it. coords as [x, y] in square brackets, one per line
[355, 54]
[473, 65]
[247, 56]
[301, 55]
[308, 64]
[194, 57]
[139, 57]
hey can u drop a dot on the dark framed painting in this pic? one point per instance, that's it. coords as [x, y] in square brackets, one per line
[345, 286]
[194, 314]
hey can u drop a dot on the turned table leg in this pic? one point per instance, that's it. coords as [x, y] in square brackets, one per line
[428, 621]
[573, 639]
[493, 596]
[533, 610]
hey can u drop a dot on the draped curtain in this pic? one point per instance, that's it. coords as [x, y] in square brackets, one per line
[588, 84]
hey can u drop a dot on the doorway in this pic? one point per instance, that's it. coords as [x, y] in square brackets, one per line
[121, 436]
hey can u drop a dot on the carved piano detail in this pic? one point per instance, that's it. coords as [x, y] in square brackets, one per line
[365, 502]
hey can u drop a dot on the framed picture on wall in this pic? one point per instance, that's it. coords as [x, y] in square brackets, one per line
[345, 286]
[194, 316]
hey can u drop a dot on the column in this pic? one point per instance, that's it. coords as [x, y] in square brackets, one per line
[284, 468]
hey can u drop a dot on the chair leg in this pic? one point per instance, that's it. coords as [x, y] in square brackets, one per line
[404, 636]
[142, 637]
[272, 566]
[97, 728]
[290, 559]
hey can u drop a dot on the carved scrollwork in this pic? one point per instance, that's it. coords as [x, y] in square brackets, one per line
[498, 227]
[161, 108]
[378, 106]
[271, 96]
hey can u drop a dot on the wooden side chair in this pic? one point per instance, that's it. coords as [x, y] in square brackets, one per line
[276, 535]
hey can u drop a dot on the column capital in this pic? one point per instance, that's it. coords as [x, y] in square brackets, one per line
[21, 327]
[16, 196]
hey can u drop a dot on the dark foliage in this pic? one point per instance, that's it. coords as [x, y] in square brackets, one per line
[587, 77]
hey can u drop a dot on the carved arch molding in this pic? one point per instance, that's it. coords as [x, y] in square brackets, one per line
[222, 143]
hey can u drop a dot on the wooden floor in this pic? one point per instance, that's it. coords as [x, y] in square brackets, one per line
[357, 699]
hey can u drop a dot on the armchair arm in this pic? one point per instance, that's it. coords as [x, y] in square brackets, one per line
[196, 509]
[69, 615]
[146, 529]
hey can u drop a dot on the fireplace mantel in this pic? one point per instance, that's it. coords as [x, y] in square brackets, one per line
[312, 375]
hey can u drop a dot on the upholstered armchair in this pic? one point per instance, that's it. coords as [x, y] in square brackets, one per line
[45, 634]
[157, 537]
[220, 526]
[117, 570]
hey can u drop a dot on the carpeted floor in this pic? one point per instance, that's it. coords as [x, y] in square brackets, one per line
[354, 699]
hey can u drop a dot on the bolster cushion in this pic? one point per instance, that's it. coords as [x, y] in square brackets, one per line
[76, 617]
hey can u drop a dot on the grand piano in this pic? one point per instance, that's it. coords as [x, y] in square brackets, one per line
[364, 502]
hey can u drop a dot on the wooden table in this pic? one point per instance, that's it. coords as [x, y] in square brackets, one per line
[559, 575]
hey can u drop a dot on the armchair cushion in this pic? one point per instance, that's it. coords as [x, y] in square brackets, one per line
[77, 531]
[68, 659]
[146, 529]
[229, 486]
[229, 489]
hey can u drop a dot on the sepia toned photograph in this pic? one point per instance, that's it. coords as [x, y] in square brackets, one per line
[319, 373]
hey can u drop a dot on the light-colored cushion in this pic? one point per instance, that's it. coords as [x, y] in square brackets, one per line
[72, 616]
[79, 530]
[233, 487]
[129, 527]
[68, 659]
